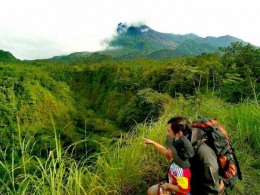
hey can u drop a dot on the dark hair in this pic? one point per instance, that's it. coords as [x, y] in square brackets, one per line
[180, 123]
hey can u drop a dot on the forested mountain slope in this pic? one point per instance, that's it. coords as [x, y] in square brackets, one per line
[6, 56]
[121, 92]
[50, 107]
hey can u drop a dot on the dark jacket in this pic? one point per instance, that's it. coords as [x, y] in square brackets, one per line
[204, 169]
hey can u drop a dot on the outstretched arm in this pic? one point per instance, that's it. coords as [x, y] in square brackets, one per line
[157, 146]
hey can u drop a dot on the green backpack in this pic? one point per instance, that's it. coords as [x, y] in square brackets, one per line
[216, 137]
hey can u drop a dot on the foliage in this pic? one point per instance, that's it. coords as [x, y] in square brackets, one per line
[244, 61]
[111, 104]
[140, 41]
[126, 166]
[6, 56]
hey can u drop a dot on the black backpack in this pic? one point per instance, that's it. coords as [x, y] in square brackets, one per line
[216, 137]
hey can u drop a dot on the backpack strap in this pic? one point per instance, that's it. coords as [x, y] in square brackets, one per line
[198, 143]
[239, 173]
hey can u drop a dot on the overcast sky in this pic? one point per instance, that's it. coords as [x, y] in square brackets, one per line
[36, 29]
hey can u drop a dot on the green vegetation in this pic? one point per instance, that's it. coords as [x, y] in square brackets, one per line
[129, 166]
[77, 127]
[140, 41]
[6, 56]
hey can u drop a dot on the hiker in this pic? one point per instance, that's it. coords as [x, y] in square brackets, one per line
[204, 168]
[179, 151]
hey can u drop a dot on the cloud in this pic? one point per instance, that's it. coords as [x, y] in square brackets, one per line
[24, 44]
[28, 46]
[32, 29]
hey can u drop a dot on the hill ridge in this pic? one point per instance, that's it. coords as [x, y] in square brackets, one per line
[140, 40]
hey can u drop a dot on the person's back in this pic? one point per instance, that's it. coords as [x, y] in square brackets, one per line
[204, 169]
[205, 178]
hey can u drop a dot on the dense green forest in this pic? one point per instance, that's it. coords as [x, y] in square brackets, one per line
[77, 127]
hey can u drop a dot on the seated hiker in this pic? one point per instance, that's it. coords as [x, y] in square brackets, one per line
[179, 151]
[204, 168]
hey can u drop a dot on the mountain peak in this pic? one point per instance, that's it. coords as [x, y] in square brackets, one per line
[138, 40]
[123, 28]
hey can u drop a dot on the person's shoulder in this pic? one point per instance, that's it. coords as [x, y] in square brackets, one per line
[206, 155]
[205, 151]
[204, 147]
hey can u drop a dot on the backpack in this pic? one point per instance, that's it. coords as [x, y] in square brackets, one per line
[216, 137]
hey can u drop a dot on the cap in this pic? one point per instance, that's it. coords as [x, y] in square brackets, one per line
[182, 150]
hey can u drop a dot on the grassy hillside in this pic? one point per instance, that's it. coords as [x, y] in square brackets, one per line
[77, 128]
[128, 166]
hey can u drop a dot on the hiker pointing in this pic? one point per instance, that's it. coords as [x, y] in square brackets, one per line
[213, 165]
[204, 168]
[179, 151]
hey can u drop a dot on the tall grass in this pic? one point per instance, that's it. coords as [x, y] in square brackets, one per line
[245, 119]
[242, 122]
[116, 170]
[127, 166]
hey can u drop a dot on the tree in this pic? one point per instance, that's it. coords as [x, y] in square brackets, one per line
[244, 60]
